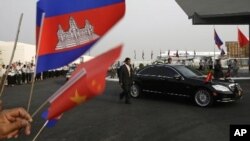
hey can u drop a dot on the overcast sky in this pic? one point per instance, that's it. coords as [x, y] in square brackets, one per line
[148, 25]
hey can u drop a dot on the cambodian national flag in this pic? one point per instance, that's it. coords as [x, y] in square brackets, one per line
[71, 27]
[217, 40]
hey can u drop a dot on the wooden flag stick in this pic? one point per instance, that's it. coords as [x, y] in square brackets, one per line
[214, 47]
[12, 55]
[31, 91]
[34, 75]
[38, 109]
[40, 131]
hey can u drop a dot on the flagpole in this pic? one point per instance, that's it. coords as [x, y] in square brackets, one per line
[12, 55]
[214, 49]
[214, 56]
[40, 131]
[40, 107]
[34, 75]
[238, 49]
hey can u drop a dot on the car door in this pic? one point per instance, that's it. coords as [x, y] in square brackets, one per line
[174, 85]
[150, 79]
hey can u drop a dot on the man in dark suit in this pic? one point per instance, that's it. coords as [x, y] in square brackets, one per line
[125, 79]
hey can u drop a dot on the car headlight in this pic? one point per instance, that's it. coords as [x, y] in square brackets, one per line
[221, 88]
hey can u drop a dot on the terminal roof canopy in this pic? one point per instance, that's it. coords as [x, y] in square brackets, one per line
[217, 11]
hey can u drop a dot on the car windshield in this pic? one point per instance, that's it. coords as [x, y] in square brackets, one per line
[188, 72]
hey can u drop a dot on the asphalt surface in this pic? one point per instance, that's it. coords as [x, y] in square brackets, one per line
[149, 118]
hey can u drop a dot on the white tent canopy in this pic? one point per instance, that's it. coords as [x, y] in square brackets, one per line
[24, 52]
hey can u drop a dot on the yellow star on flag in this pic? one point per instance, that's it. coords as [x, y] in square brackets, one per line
[78, 99]
[93, 83]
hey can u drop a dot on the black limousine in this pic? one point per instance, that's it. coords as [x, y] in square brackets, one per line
[180, 80]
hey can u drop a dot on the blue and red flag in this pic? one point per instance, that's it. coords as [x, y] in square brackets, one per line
[86, 82]
[217, 40]
[222, 52]
[71, 27]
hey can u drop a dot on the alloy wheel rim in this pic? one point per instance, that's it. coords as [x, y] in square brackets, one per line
[202, 98]
[134, 91]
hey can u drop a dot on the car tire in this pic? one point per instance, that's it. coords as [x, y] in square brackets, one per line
[135, 91]
[203, 98]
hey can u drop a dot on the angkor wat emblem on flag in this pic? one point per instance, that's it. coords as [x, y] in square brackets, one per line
[75, 36]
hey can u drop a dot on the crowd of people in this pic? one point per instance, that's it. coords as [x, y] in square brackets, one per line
[206, 64]
[232, 70]
[22, 73]
[233, 67]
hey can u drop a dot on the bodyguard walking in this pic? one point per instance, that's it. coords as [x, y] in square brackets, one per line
[218, 73]
[125, 80]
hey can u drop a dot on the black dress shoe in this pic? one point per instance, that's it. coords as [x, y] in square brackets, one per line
[120, 97]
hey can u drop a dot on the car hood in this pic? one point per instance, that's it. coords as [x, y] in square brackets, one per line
[223, 81]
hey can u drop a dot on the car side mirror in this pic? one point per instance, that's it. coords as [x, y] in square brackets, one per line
[177, 77]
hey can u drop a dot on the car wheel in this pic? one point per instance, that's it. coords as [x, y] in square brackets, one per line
[203, 98]
[135, 91]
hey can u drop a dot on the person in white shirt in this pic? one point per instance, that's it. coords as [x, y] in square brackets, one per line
[18, 74]
[3, 71]
[1, 75]
[11, 77]
[24, 74]
[29, 73]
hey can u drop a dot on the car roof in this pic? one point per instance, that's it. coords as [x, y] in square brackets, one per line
[161, 65]
[169, 65]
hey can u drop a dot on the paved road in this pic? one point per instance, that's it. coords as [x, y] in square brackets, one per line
[150, 118]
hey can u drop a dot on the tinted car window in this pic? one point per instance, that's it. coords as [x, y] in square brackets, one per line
[156, 70]
[195, 71]
[169, 72]
[187, 72]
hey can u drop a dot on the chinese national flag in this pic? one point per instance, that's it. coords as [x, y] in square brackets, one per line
[86, 82]
[242, 39]
[209, 77]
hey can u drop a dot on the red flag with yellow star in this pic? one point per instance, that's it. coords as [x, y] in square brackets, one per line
[209, 77]
[87, 81]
